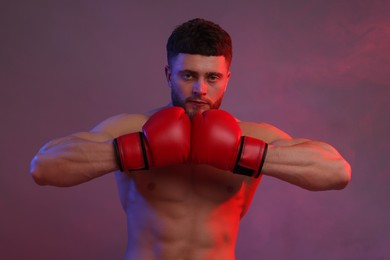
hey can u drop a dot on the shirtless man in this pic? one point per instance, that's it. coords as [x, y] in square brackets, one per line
[175, 181]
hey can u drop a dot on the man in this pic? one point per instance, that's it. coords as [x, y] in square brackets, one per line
[187, 174]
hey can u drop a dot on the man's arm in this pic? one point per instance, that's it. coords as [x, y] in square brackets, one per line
[80, 157]
[73, 160]
[127, 143]
[309, 164]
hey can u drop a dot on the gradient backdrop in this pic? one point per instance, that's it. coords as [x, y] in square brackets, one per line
[316, 69]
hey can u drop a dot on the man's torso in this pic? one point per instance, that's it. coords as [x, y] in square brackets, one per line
[184, 211]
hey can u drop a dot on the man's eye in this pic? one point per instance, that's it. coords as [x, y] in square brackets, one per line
[213, 77]
[186, 76]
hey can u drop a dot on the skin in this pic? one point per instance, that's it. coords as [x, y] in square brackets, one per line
[197, 82]
[187, 211]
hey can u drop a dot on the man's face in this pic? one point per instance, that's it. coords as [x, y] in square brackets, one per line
[197, 82]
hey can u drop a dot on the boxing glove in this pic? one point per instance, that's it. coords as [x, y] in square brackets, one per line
[164, 141]
[216, 140]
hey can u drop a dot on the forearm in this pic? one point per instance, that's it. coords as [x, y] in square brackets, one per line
[73, 161]
[308, 164]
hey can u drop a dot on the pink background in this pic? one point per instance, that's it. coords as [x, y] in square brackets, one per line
[316, 69]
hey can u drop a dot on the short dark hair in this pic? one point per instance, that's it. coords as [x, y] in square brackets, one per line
[199, 36]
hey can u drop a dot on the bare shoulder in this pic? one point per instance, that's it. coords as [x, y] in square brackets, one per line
[121, 124]
[264, 131]
[108, 129]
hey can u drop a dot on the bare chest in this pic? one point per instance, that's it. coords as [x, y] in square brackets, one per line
[184, 184]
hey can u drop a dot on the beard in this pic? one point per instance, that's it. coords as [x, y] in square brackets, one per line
[192, 110]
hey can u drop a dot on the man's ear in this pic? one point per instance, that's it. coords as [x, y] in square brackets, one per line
[227, 81]
[168, 75]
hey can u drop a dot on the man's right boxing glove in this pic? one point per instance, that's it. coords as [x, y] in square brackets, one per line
[216, 140]
[164, 141]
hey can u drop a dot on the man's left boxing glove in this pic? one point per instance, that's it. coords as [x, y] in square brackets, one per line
[164, 141]
[217, 141]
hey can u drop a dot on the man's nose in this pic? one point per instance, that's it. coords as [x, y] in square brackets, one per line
[200, 88]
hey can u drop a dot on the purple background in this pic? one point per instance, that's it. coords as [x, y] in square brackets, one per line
[316, 69]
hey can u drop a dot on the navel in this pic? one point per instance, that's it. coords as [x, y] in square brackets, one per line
[226, 238]
[151, 186]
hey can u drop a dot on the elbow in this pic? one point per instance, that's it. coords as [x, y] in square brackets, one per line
[36, 171]
[343, 175]
[336, 177]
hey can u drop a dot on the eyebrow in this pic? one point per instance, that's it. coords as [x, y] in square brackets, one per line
[196, 73]
[218, 74]
[188, 71]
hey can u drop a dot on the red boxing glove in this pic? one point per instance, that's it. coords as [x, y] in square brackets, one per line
[164, 141]
[216, 140]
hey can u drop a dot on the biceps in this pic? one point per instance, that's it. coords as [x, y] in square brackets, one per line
[81, 136]
[94, 137]
[307, 143]
[290, 142]
[326, 147]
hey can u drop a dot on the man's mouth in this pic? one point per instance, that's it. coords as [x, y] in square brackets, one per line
[198, 101]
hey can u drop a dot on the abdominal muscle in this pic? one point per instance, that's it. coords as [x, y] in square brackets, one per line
[183, 212]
